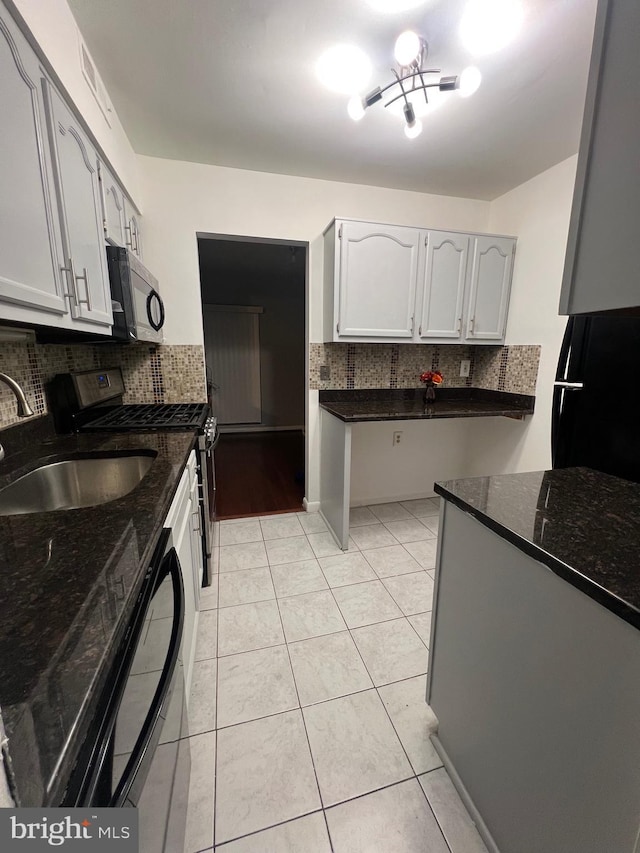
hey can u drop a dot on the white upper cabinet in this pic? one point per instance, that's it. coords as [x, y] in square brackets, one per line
[444, 286]
[76, 173]
[378, 271]
[112, 208]
[603, 249]
[29, 238]
[489, 288]
[391, 284]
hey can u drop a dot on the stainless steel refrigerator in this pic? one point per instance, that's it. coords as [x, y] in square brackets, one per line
[596, 398]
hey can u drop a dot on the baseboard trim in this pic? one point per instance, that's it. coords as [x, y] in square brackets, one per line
[311, 506]
[392, 499]
[260, 428]
[458, 784]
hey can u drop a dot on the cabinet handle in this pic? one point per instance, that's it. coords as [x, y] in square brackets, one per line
[72, 297]
[459, 324]
[471, 324]
[420, 332]
[129, 242]
[413, 322]
[197, 528]
[83, 277]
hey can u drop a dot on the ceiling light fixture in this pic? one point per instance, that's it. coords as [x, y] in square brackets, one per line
[344, 68]
[410, 87]
[488, 25]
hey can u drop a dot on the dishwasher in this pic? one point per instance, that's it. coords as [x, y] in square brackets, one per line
[136, 753]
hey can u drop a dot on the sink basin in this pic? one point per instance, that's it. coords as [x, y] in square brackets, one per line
[75, 483]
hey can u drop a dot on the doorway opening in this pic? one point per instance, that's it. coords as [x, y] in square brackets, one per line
[254, 320]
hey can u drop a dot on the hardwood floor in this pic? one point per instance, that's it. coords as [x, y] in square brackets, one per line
[259, 473]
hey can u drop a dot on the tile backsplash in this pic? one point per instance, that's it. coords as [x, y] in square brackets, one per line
[170, 373]
[512, 368]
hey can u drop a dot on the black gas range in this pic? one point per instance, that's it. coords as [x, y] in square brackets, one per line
[91, 401]
[164, 417]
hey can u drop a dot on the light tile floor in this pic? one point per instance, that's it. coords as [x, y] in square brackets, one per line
[310, 727]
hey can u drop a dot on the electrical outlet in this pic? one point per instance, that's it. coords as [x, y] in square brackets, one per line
[397, 437]
[465, 367]
[325, 372]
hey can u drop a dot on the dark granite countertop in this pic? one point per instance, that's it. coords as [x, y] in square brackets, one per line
[68, 583]
[583, 525]
[407, 404]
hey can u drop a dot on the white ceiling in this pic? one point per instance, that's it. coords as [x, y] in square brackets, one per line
[233, 83]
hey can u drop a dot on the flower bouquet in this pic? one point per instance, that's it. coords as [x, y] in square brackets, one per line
[431, 378]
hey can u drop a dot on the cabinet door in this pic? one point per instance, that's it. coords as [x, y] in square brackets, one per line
[443, 285]
[377, 280]
[132, 229]
[489, 287]
[603, 249]
[80, 212]
[30, 272]
[112, 208]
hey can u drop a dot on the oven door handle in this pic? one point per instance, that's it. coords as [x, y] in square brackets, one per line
[140, 750]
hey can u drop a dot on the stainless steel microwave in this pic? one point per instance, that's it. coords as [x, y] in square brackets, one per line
[138, 310]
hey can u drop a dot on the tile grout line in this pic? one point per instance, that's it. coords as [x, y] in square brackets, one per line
[215, 768]
[286, 643]
[376, 688]
[304, 722]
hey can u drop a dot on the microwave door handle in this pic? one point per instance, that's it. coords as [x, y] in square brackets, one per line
[155, 326]
[164, 685]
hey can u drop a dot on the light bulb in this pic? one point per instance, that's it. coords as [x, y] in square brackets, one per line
[407, 48]
[414, 130]
[355, 108]
[394, 6]
[344, 68]
[488, 25]
[470, 80]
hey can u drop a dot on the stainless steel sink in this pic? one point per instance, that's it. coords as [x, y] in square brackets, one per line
[75, 483]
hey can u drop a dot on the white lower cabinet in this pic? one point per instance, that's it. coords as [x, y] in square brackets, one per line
[393, 284]
[181, 519]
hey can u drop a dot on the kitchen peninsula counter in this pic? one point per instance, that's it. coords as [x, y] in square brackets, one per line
[343, 411]
[407, 404]
[534, 658]
[68, 582]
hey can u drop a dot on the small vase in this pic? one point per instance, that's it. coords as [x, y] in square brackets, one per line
[429, 394]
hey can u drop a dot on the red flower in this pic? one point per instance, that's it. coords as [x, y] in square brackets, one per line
[433, 376]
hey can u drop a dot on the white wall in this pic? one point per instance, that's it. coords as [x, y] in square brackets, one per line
[54, 28]
[538, 213]
[182, 199]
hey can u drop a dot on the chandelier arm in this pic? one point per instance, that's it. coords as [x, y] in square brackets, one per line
[399, 81]
[418, 89]
[426, 100]
[406, 77]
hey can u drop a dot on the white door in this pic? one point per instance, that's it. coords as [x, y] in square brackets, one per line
[232, 345]
[443, 287]
[490, 284]
[113, 208]
[30, 272]
[81, 213]
[377, 281]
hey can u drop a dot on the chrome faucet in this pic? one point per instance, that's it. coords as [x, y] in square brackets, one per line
[24, 409]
